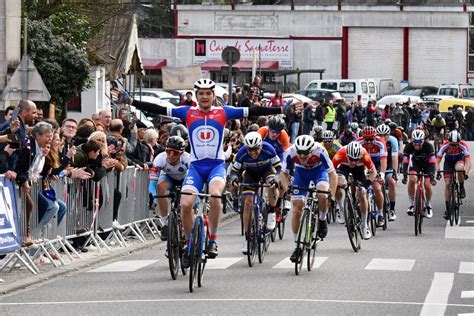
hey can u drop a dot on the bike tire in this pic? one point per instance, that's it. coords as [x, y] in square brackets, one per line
[386, 208]
[300, 240]
[312, 241]
[452, 204]
[281, 228]
[417, 211]
[351, 225]
[261, 238]
[457, 205]
[195, 256]
[241, 222]
[252, 241]
[173, 245]
[273, 235]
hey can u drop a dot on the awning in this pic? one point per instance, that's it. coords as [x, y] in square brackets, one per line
[215, 65]
[153, 64]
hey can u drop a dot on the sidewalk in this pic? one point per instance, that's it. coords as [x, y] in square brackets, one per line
[20, 278]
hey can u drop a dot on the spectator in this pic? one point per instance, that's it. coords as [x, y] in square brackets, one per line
[30, 164]
[371, 112]
[406, 116]
[68, 131]
[319, 114]
[82, 134]
[386, 113]
[248, 102]
[95, 117]
[189, 99]
[295, 117]
[145, 150]
[276, 100]
[39, 115]
[309, 116]
[86, 121]
[225, 97]
[358, 113]
[397, 114]
[116, 129]
[341, 116]
[100, 127]
[8, 115]
[329, 115]
[257, 87]
[469, 121]
[460, 118]
[105, 117]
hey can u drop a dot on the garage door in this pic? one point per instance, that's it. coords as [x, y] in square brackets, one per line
[376, 53]
[437, 56]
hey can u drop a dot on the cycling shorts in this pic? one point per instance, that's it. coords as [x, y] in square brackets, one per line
[358, 173]
[171, 182]
[450, 166]
[303, 177]
[417, 167]
[204, 171]
[266, 175]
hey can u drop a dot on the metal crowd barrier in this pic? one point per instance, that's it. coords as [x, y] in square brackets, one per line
[84, 218]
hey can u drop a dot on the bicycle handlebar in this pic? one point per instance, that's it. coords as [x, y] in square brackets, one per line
[223, 196]
[310, 189]
[419, 174]
[259, 185]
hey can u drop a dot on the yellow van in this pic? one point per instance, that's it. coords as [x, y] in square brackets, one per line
[448, 104]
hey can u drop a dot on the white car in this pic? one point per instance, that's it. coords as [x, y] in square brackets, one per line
[397, 98]
[158, 93]
[298, 97]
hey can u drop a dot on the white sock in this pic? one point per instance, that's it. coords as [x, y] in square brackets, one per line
[164, 220]
[412, 200]
[364, 220]
[322, 216]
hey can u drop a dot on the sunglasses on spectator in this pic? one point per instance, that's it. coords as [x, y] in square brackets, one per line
[175, 152]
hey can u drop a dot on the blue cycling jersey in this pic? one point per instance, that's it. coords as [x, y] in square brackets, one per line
[268, 157]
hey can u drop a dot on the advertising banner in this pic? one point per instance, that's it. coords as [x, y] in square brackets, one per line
[280, 50]
[9, 225]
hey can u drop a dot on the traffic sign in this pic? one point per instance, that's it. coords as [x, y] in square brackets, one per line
[230, 55]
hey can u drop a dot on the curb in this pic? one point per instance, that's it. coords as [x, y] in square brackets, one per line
[76, 266]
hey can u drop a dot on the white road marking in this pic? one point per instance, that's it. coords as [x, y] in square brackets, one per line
[458, 232]
[469, 221]
[391, 264]
[221, 263]
[287, 264]
[466, 314]
[467, 294]
[466, 267]
[124, 266]
[439, 294]
[276, 300]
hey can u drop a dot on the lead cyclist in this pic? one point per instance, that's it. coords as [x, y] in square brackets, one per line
[206, 124]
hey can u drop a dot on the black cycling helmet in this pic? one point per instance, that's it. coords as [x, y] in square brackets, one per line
[176, 143]
[348, 133]
[179, 130]
[276, 123]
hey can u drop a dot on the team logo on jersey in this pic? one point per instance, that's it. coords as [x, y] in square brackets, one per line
[206, 134]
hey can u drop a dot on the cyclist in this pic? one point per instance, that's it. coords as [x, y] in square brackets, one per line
[354, 159]
[331, 145]
[456, 157]
[181, 131]
[168, 171]
[311, 163]
[392, 166]
[439, 126]
[260, 162]
[355, 128]
[377, 150]
[318, 133]
[421, 157]
[346, 137]
[451, 122]
[205, 124]
[276, 136]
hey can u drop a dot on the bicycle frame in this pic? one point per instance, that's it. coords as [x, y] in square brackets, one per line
[420, 202]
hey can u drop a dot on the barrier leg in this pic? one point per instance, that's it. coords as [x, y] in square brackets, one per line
[66, 251]
[150, 230]
[55, 252]
[71, 248]
[137, 226]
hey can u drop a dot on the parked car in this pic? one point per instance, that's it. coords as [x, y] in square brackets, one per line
[225, 85]
[418, 91]
[321, 95]
[462, 91]
[397, 98]
[296, 97]
[158, 93]
[361, 90]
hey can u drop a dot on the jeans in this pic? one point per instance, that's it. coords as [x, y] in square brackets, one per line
[295, 127]
[47, 209]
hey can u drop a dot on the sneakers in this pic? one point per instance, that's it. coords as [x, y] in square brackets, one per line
[340, 217]
[116, 225]
[164, 233]
[462, 193]
[295, 255]
[410, 211]
[287, 205]
[244, 248]
[271, 221]
[380, 220]
[211, 250]
[366, 233]
[322, 229]
[392, 215]
[429, 212]
[185, 258]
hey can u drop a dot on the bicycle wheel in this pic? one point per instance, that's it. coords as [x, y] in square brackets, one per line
[173, 245]
[417, 212]
[312, 241]
[351, 225]
[195, 255]
[261, 235]
[300, 240]
[458, 205]
[281, 228]
[241, 222]
[252, 240]
[386, 207]
[273, 235]
[452, 204]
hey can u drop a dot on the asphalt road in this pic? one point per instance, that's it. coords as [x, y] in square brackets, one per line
[394, 273]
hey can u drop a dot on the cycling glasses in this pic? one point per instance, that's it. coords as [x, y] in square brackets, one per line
[369, 139]
[274, 131]
[353, 159]
[303, 152]
[175, 152]
[256, 149]
[417, 141]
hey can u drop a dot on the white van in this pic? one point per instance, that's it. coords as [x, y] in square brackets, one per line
[361, 90]
[461, 91]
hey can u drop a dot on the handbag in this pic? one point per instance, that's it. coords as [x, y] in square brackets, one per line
[48, 190]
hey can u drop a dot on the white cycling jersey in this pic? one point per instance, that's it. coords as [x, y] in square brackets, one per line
[176, 172]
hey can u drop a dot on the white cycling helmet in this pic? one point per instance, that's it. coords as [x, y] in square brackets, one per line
[454, 136]
[304, 144]
[354, 150]
[204, 84]
[418, 136]
[383, 129]
[253, 140]
[328, 135]
[354, 126]
[318, 129]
